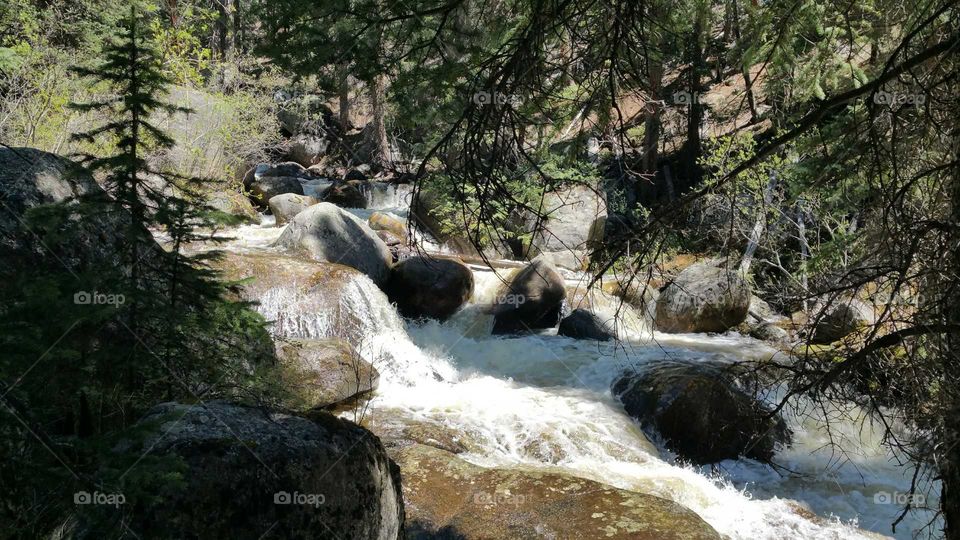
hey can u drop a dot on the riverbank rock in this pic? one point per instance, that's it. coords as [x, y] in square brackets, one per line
[234, 204]
[583, 324]
[428, 287]
[533, 299]
[836, 319]
[345, 195]
[574, 217]
[307, 150]
[250, 472]
[700, 412]
[285, 207]
[320, 373]
[327, 233]
[447, 497]
[703, 298]
[264, 188]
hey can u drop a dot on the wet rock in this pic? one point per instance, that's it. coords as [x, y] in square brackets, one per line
[381, 221]
[327, 233]
[532, 300]
[700, 412]
[320, 373]
[389, 238]
[301, 298]
[249, 472]
[427, 287]
[770, 332]
[398, 428]
[636, 292]
[447, 497]
[583, 324]
[703, 298]
[285, 207]
[838, 318]
[345, 196]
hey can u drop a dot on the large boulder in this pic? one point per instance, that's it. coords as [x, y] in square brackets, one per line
[434, 215]
[327, 233]
[448, 497]
[428, 287]
[249, 472]
[574, 217]
[300, 298]
[703, 298]
[838, 318]
[319, 373]
[533, 299]
[286, 206]
[584, 324]
[700, 412]
[637, 292]
[265, 188]
[31, 178]
[307, 150]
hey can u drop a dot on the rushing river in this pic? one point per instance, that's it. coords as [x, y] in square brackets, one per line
[544, 401]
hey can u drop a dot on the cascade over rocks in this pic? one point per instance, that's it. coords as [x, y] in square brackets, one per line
[533, 299]
[245, 466]
[286, 206]
[703, 298]
[323, 372]
[264, 182]
[447, 497]
[427, 287]
[584, 324]
[700, 412]
[326, 233]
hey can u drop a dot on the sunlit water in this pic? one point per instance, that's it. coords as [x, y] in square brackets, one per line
[544, 401]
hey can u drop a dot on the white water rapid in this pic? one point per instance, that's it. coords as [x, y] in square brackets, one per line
[544, 401]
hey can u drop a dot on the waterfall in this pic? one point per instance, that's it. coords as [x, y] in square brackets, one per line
[543, 402]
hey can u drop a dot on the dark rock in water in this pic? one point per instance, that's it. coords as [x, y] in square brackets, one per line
[531, 300]
[345, 196]
[583, 324]
[327, 233]
[355, 174]
[425, 287]
[450, 498]
[234, 204]
[700, 412]
[250, 471]
[703, 298]
[389, 238]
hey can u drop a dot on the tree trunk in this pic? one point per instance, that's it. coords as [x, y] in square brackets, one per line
[759, 225]
[651, 131]
[378, 132]
[344, 95]
[744, 69]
